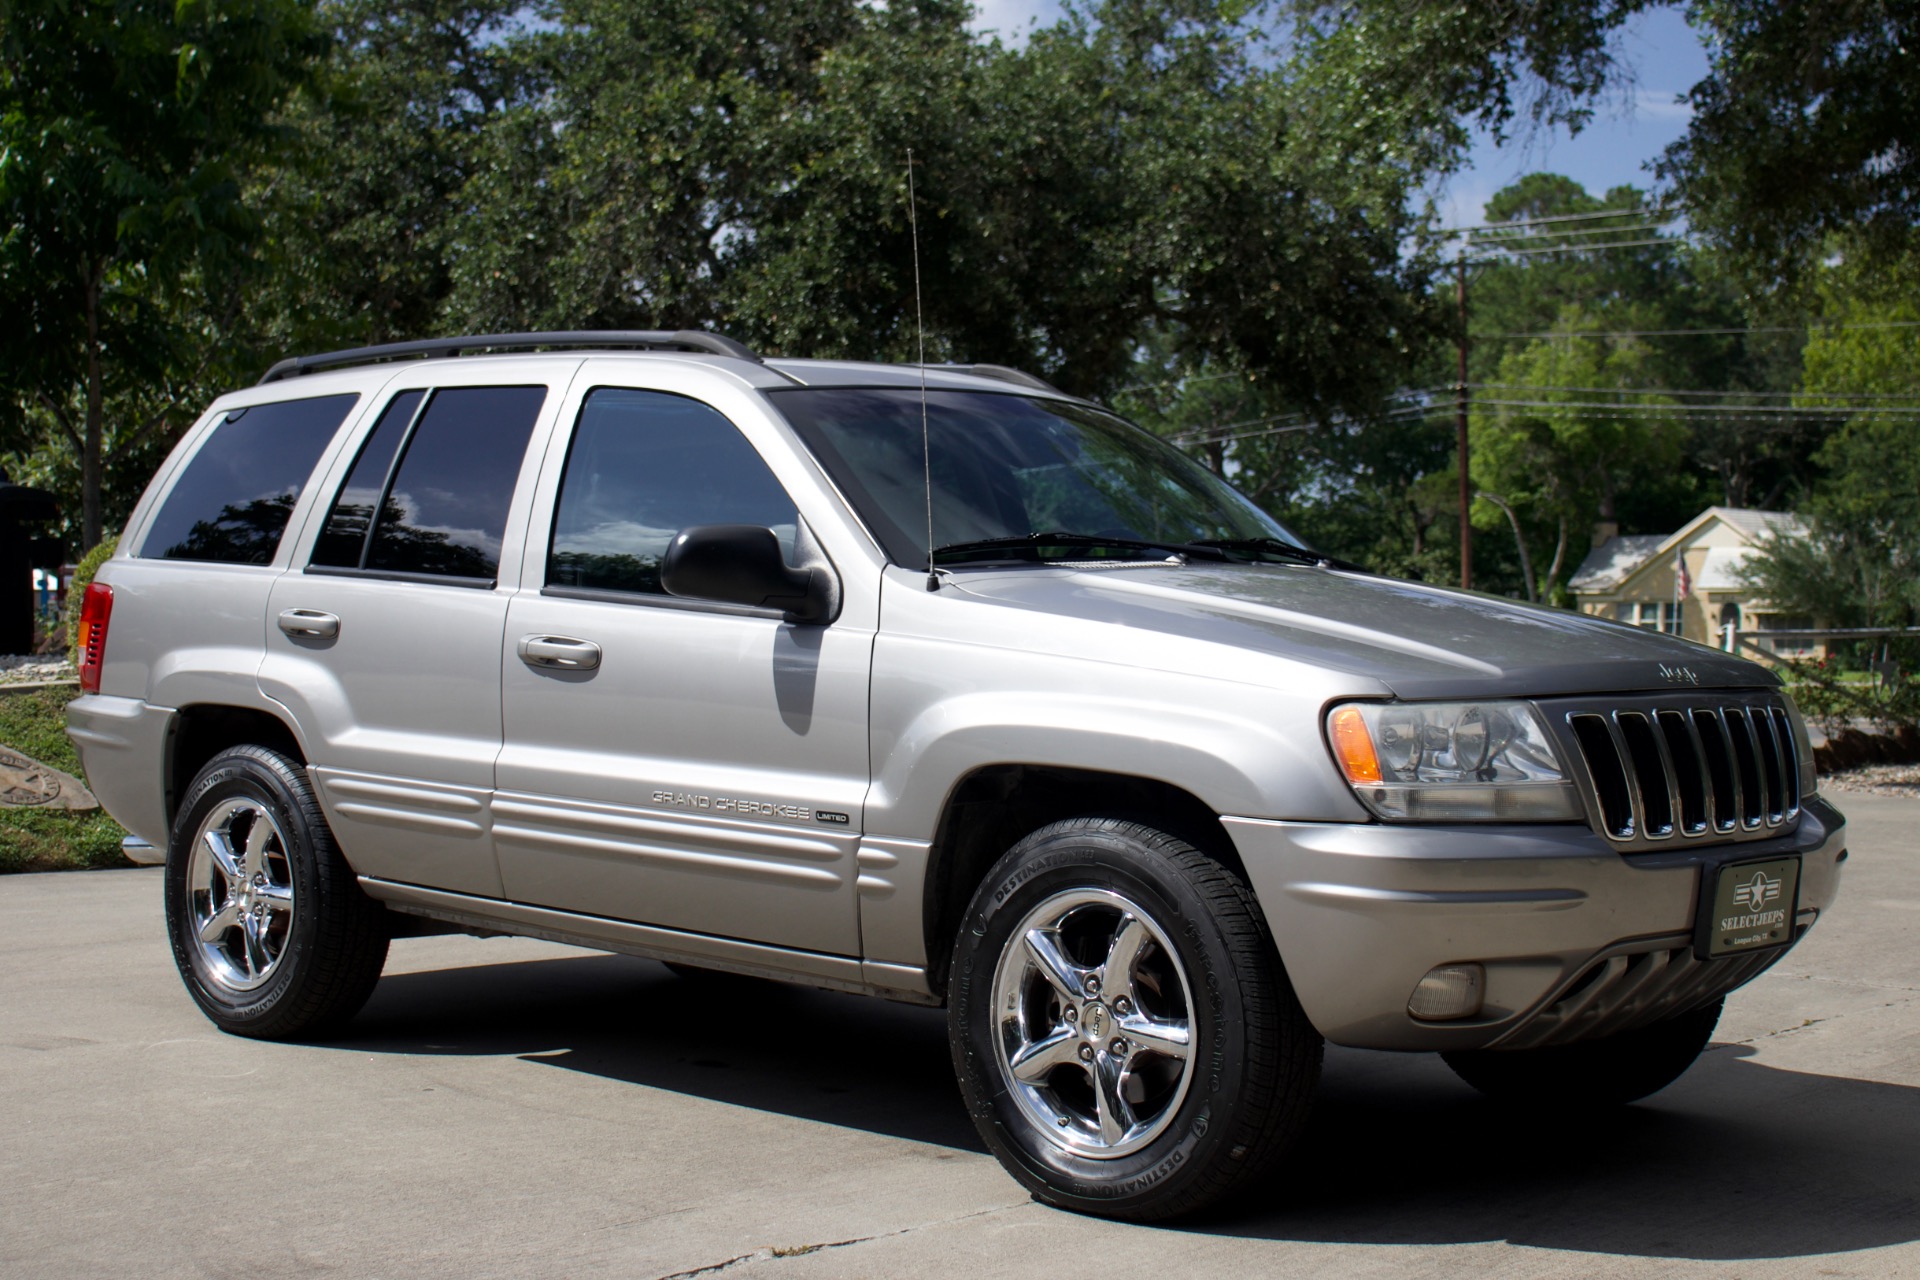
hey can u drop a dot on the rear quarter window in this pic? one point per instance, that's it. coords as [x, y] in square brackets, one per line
[231, 503]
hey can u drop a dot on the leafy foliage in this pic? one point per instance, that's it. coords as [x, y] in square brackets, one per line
[126, 132]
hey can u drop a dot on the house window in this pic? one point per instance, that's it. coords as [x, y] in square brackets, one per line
[1662, 615]
[1786, 646]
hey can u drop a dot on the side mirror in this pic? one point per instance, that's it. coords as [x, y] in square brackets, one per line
[742, 564]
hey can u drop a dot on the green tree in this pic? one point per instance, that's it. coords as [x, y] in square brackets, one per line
[1858, 564]
[370, 193]
[1556, 453]
[1804, 128]
[125, 133]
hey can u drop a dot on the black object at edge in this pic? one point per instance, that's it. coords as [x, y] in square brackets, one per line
[644, 339]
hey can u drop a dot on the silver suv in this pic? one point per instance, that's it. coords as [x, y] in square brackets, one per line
[927, 683]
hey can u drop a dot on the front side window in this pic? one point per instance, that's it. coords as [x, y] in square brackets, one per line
[1009, 466]
[429, 494]
[643, 466]
[231, 504]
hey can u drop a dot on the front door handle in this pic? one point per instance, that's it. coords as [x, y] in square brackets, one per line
[561, 653]
[310, 623]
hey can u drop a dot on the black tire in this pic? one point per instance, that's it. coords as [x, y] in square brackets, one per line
[1592, 1074]
[320, 943]
[1255, 1059]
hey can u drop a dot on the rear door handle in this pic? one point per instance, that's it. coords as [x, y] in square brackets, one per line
[311, 623]
[562, 653]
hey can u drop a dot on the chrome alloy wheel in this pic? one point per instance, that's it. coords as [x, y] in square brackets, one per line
[240, 894]
[1095, 1031]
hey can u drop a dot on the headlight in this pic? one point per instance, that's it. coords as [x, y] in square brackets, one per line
[1802, 747]
[1452, 761]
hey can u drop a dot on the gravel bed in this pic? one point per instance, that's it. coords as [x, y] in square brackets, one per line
[20, 668]
[1876, 779]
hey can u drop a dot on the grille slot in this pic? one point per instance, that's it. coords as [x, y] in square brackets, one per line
[1665, 769]
[1627, 990]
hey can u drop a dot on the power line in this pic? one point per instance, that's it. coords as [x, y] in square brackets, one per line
[1567, 217]
[1703, 333]
[1678, 391]
[1492, 235]
[1687, 410]
[1576, 248]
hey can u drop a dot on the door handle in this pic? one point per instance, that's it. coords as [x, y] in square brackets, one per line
[310, 623]
[562, 653]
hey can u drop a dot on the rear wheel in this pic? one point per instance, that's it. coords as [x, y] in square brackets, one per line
[270, 930]
[1609, 1072]
[1124, 1036]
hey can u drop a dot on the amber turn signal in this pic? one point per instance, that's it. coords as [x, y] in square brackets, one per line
[1353, 746]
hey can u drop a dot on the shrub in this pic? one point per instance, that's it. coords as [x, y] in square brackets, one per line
[77, 589]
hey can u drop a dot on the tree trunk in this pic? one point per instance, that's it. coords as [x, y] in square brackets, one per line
[92, 473]
[1559, 559]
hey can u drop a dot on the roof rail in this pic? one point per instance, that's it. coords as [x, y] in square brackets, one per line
[644, 339]
[1005, 373]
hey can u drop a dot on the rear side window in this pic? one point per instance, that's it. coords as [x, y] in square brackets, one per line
[428, 495]
[643, 466]
[232, 502]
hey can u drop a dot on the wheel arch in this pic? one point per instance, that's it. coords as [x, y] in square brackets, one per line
[990, 808]
[202, 731]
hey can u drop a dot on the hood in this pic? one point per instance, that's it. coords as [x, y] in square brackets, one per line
[1419, 641]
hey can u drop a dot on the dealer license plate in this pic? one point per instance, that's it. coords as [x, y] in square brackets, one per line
[1751, 908]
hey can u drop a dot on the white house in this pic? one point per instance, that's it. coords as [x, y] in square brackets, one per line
[1688, 583]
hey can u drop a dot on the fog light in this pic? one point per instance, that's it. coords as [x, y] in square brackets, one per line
[1448, 992]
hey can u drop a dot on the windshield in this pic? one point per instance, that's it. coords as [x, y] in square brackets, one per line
[1009, 466]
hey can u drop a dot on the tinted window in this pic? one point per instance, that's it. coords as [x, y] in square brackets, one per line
[643, 466]
[343, 542]
[232, 502]
[446, 511]
[1006, 466]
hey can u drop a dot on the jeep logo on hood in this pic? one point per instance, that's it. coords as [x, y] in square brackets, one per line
[1678, 675]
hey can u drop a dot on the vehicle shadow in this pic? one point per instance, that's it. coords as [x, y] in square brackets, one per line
[1736, 1161]
[818, 1055]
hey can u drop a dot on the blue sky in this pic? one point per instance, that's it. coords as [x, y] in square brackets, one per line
[1629, 129]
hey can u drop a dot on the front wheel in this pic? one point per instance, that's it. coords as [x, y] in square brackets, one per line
[270, 929]
[1125, 1039]
[1591, 1074]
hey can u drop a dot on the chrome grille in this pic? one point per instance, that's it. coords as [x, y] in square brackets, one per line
[1710, 768]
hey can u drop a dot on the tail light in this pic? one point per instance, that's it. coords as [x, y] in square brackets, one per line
[96, 607]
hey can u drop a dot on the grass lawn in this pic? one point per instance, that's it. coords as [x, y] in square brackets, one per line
[34, 722]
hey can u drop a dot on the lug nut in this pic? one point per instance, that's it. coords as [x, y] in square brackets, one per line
[1093, 986]
[1072, 1014]
[1123, 1006]
[1086, 1053]
[1118, 1048]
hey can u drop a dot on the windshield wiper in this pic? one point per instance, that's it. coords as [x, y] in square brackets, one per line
[1032, 542]
[1275, 547]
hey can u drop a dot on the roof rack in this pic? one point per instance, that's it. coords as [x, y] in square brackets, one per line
[1005, 373]
[643, 339]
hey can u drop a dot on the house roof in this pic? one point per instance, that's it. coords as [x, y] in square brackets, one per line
[1721, 571]
[1609, 565]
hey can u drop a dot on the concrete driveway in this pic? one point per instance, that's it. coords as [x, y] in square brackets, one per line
[509, 1108]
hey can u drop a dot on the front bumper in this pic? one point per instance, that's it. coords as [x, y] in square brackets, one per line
[1577, 940]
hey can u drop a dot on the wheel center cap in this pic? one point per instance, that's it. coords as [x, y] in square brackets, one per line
[1094, 1021]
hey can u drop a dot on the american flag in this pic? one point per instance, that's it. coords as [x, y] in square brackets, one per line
[1682, 579]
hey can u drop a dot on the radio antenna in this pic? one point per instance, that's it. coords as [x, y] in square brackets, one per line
[920, 334]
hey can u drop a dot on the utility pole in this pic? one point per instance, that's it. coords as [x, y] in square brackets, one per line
[1466, 494]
